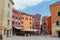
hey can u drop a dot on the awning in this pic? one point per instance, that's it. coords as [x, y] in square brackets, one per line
[29, 30]
[57, 29]
[17, 27]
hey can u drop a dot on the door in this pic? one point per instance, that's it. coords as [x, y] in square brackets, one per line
[58, 33]
[0, 37]
[7, 33]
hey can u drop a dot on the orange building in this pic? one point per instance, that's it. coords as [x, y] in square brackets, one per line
[26, 21]
[55, 18]
[49, 25]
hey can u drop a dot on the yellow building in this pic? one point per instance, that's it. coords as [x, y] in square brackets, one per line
[26, 21]
[55, 18]
[6, 18]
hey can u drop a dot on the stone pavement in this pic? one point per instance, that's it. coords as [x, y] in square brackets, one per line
[33, 38]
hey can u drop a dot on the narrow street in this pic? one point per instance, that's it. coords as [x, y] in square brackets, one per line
[33, 38]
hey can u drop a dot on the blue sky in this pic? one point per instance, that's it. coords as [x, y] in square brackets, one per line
[36, 6]
[42, 8]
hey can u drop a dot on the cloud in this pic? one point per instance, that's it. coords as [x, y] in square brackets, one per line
[21, 4]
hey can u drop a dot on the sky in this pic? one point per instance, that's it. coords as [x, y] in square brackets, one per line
[34, 6]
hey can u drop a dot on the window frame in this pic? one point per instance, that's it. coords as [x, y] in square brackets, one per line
[8, 5]
[8, 22]
[58, 23]
[58, 13]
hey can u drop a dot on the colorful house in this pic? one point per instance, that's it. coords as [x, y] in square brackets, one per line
[36, 22]
[5, 18]
[55, 18]
[26, 23]
[26, 20]
[44, 25]
[16, 22]
[49, 27]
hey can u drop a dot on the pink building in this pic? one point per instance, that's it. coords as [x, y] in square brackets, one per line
[16, 22]
[36, 22]
[44, 24]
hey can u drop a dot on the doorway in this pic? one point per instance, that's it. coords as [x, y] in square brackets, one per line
[7, 33]
[58, 33]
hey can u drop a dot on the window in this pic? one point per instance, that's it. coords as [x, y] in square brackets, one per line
[22, 21]
[8, 22]
[8, 14]
[30, 18]
[8, 5]
[26, 18]
[16, 17]
[22, 26]
[30, 22]
[18, 22]
[58, 23]
[58, 13]
[22, 17]
[44, 20]
[12, 16]
[4, 32]
[36, 16]
[12, 22]
[44, 27]
[44, 23]
[30, 27]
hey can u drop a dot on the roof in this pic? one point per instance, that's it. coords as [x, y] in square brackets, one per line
[15, 10]
[37, 14]
[55, 3]
[45, 17]
[26, 14]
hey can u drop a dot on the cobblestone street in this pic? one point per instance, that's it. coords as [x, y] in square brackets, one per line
[33, 38]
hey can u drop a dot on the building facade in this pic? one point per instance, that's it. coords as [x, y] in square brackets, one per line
[44, 25]
[55, 18]
[26, 21]
[6, 18]
[49, 27]
[36, 22]
[16, 22]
